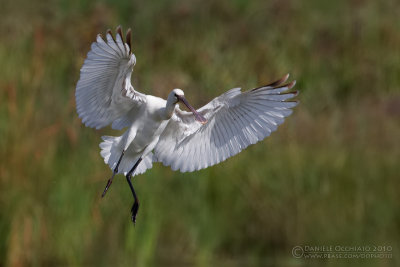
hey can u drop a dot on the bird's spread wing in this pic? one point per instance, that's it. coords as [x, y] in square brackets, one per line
[104, 91]
[235, 121]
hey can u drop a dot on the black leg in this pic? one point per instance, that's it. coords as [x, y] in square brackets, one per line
[135, 206]
[109, 182]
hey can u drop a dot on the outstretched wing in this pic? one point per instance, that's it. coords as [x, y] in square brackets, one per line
[235, 121]
[104, 91]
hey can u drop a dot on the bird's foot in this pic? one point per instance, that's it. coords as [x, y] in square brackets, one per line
[134, 211]
[109, 182]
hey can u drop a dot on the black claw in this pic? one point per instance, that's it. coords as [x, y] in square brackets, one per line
[134, 211]
[135, 206]
[109, 182]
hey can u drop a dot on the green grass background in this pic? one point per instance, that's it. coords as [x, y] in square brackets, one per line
[328, 176]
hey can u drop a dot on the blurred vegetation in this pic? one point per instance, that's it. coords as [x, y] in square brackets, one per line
[328, 176]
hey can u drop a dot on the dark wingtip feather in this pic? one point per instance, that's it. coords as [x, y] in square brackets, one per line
[288, 85]
[119, 31]
[279, 82]
[110, 33]
[274, 84]
[128, 39]
[291, 85]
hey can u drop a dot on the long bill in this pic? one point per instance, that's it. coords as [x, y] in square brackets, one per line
[198, 117]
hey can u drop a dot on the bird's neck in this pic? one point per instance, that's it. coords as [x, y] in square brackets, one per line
[169, 109]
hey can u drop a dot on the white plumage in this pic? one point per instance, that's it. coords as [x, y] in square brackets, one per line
[157, 129]
[235, 121]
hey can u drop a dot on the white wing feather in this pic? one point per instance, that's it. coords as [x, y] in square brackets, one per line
[104, 91]
[235, 121]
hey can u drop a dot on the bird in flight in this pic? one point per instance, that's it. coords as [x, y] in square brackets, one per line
[157, 130]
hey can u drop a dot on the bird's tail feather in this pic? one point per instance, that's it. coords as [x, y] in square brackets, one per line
[111, 150]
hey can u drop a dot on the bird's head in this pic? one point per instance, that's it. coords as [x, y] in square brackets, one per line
[177, 95]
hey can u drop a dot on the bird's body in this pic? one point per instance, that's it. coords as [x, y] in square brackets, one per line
[157, 129]
[149, 121]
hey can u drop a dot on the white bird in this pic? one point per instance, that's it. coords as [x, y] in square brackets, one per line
[157, 129]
